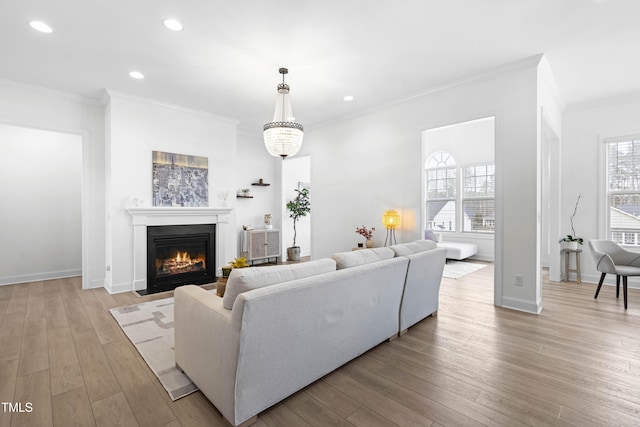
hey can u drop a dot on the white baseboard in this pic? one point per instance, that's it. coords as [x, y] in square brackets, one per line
[119, 288]
[520, 304]
[38, 277]
[96, 283]
[481, 257]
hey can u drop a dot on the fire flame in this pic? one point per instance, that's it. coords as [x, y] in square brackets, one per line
[181, 262]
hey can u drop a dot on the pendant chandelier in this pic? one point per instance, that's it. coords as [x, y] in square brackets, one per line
[283, 136]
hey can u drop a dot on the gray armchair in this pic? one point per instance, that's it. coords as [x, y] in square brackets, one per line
[611, 258]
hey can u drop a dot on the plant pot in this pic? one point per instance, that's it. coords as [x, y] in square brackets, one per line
[221, 285]
[569, 245]
[226, 271]
[369, 243]
[293, 253]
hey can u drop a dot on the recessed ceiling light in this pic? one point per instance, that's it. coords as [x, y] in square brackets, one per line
[41, 26]
[173, 24]
[348, 98]
[136, 75]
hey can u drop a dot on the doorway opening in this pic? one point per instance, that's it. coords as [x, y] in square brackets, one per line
[459, 192]
[550, 203]
[44, 188]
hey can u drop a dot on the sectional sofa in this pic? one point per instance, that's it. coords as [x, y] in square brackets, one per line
[278, 329]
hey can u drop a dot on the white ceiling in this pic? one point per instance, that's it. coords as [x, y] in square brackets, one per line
[227, 58]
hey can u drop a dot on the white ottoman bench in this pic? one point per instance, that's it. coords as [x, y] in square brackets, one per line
[458, 250]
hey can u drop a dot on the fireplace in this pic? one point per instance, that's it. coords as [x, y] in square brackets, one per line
[180, 255]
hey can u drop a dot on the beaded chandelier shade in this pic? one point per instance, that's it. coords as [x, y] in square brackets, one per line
[283, 136]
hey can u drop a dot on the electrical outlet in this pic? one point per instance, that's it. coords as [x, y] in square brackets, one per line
[519, 280]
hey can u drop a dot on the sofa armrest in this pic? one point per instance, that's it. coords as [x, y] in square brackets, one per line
[422, 286]
[206, 345]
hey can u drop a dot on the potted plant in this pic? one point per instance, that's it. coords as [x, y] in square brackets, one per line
[298, 207]
[571, 241]
[367, 234]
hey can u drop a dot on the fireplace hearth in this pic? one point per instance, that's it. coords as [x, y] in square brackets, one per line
[180, 255]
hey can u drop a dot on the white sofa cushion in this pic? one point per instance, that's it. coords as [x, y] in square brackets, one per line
[405, 249]
[246, 279]
[361, 257]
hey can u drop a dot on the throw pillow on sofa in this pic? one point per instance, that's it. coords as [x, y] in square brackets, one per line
[246, 279]
[360, 257]
[405, 249]
[430, 235]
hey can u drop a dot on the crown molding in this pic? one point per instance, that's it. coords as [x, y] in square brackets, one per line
[52, 93]
[606, 101]
[110, 93]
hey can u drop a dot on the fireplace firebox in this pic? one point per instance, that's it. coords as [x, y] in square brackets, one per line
[180, 255]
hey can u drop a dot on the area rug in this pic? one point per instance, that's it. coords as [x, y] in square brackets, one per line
[458, 269]
[149, 326]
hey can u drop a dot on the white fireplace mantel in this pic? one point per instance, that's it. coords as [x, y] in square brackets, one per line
[143, 217]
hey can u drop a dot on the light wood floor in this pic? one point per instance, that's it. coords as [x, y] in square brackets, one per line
[578, 363]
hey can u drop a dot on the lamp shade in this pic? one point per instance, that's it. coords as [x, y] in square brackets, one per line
[391, 219]
[283, 136]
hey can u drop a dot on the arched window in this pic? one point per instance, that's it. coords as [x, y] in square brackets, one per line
[441, 159]
[441, 185]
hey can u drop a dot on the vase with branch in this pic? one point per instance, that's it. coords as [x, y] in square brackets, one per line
[571, 241]
[367, 233]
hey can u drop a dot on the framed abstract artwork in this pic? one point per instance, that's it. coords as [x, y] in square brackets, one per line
[180, 180]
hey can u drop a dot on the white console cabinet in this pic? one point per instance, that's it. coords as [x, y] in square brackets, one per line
[260, 245]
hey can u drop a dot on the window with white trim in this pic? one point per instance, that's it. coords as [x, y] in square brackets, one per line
[441, 192]
[478, 198]
[459, 198]
[623, 190]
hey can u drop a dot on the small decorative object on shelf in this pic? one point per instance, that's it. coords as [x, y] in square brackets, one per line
[367, 234]
[261, 183]
[267, 221]
[244, 193]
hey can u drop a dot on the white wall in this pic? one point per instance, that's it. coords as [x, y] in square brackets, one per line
[469, 143]
[584, 128]
[41, 219]
[365, 165]
[550, 108]
[40, 108]
[135, 128]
